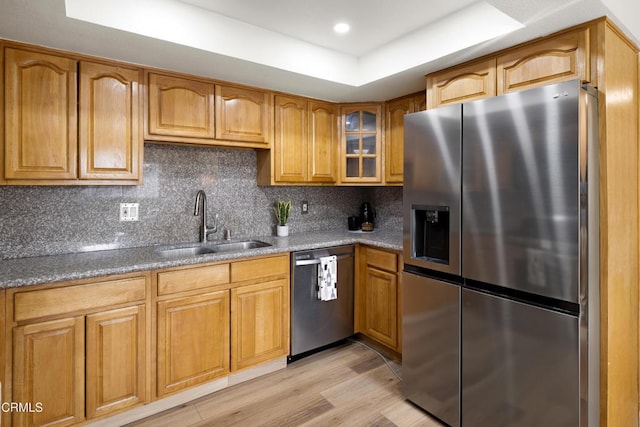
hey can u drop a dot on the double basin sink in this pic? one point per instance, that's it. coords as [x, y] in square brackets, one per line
[195, 249]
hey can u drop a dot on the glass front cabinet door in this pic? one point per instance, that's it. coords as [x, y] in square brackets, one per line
[361, 144]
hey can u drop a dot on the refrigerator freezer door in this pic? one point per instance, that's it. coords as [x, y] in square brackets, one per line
[431, 346]
[520, 364]
[520, 191]
[432, 182]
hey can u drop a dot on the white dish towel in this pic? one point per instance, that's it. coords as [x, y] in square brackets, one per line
[327, 278]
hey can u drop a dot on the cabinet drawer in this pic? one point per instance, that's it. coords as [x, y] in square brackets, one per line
[189, 279]
[382, 260]
[68, 299]
[259, 268]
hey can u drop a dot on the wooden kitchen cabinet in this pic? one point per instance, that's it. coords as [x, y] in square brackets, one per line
[78, 348]
[550, 60]
[59, 133]
[378, 297]
[395, 111]
[305, 143]
[193, 340]
[259, 323]
[218, 318]
[361, 147]
[462, 83]
[323, 142]
[48, 367]
[290, 144]
[110, 138]
[561, 57]
[41, 117]
[243, 114]
[115, 360]
[179, 109]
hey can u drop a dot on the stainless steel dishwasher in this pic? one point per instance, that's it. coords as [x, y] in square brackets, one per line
[316, 323]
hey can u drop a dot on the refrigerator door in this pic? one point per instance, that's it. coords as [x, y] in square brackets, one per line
[431, 346]
[520, 364]
[432, 182]
[520, 191]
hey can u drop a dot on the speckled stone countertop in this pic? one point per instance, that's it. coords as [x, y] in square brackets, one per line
[55, 268]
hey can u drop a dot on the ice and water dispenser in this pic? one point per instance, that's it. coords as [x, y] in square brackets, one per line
[430, 233]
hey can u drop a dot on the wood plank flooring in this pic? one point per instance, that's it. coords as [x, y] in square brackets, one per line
[348, 385]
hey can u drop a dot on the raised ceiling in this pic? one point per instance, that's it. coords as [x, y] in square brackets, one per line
[289, 45]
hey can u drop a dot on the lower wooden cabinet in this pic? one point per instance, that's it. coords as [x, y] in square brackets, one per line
[84, 350]
[193, 340]
[381, 319]
[78, 350]
[115, 360]
[378, 297]
[218, 318]
[48, 372]
[259, 323]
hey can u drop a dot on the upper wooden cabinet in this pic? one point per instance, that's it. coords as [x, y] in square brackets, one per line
[196, 111]
[361, 148]
[323, 142]
[56, 134]
[395, 111]
[290, 143]
[243, 115]
[41, 137]
[462, 83]
[305, 143]
[180, 108]
[560, 58]
[110, 128]
[552, 59]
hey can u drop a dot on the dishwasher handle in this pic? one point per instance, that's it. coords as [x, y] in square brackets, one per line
[314, 261]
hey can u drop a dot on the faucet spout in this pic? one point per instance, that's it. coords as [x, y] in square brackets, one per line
[205, 230]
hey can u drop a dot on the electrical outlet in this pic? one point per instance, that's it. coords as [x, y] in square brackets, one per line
[304, 207]
[129, 211]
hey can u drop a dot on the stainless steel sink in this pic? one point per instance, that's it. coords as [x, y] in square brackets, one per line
[196, 249]
[242, 245]
[185, 251]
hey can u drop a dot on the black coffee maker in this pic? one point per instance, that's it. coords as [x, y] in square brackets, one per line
[367, 217]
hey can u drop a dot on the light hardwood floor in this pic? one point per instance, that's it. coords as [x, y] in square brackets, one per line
[347, 385]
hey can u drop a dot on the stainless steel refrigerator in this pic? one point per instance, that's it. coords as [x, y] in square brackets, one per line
[501, 252]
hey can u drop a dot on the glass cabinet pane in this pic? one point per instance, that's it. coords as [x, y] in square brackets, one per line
[368, 121]
[352, 121]
[353, 167]
[353, 144]
[369, 144]
[369, 167]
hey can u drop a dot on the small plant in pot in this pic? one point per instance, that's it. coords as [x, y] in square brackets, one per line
[282, 209]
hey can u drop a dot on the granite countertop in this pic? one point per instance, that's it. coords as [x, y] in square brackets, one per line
[55, 268]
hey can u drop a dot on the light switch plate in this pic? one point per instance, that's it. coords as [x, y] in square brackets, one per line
[304, 207]
[129, 211]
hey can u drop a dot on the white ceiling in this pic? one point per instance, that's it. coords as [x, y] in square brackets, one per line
[288, 45]
[373, 22]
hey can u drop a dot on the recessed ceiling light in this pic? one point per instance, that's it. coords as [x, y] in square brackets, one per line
[341, 28]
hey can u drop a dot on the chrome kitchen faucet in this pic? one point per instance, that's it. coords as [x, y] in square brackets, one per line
[205, 230]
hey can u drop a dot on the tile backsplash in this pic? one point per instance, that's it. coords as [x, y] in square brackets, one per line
[46, 220]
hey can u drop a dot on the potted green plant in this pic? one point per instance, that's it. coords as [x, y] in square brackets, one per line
[282, 209]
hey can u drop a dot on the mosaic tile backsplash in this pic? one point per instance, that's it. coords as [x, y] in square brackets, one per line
[52, 220]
